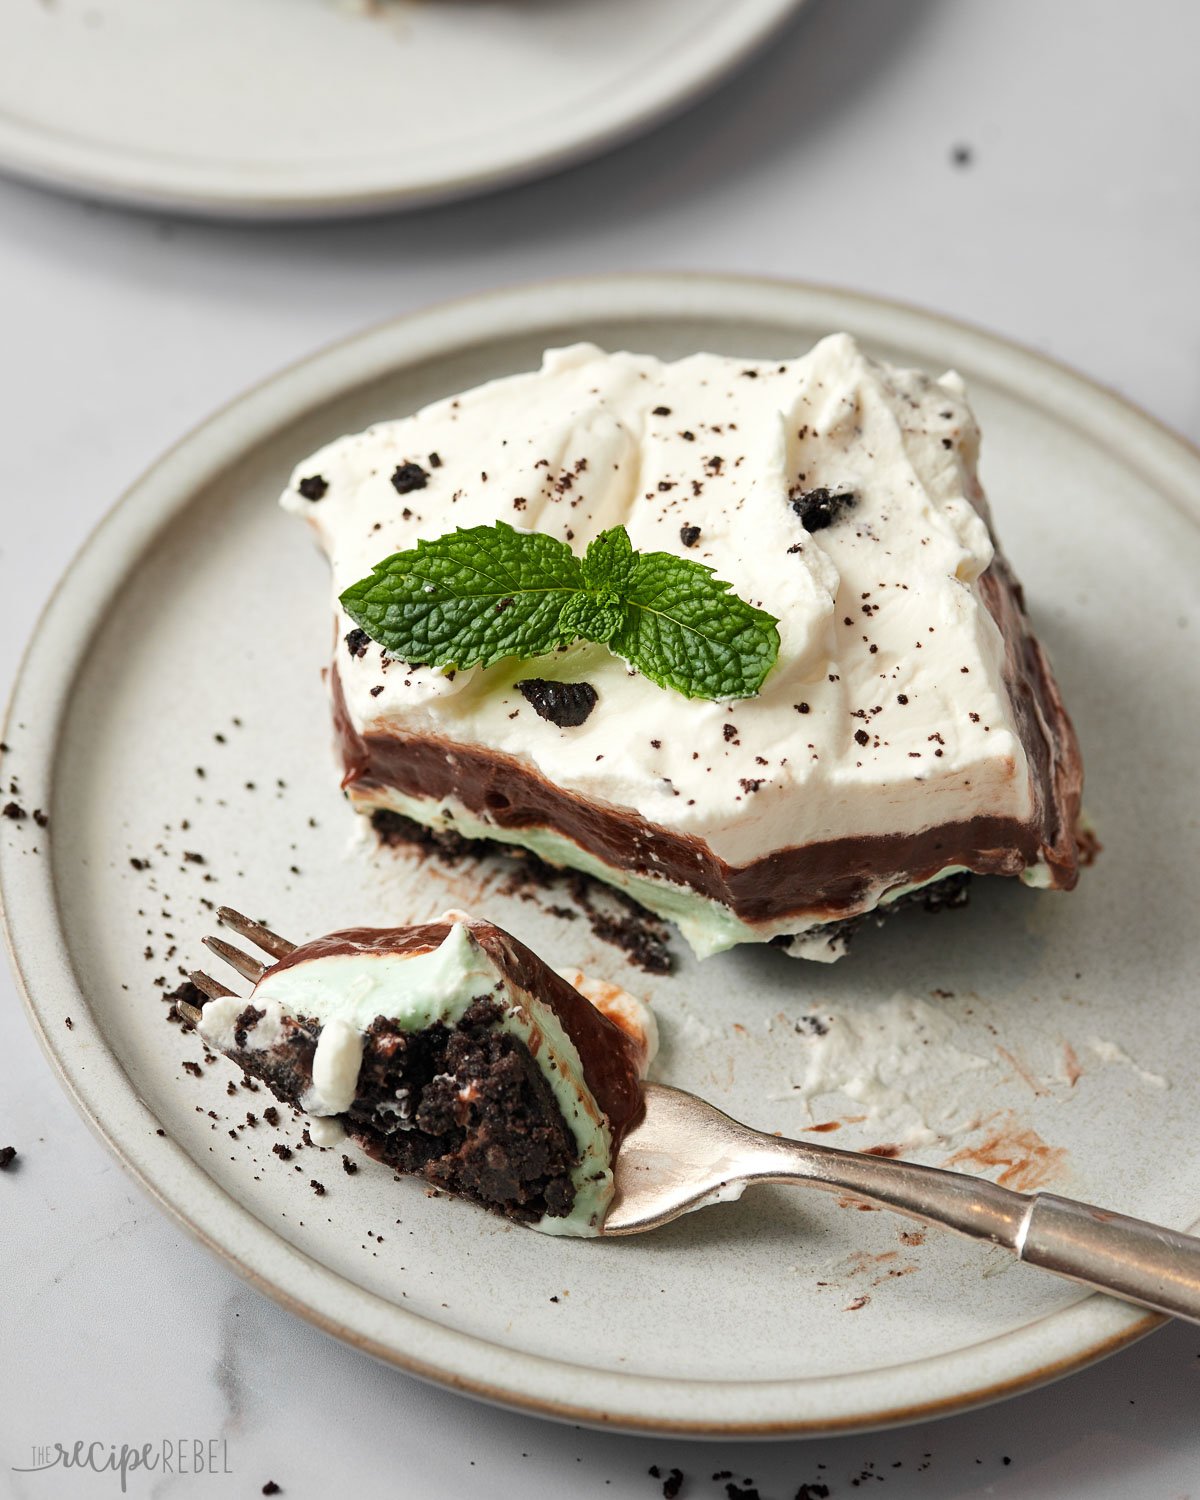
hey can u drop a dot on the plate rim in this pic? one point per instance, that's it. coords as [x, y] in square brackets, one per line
[1070, 1338]
[138, 179]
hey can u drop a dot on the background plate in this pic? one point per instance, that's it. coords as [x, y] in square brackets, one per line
[197, 604]
[315, 107]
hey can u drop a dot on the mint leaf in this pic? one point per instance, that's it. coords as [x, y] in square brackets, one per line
[609, 560]
[480, 594]
[592, 617]
[685, 629]
[469, 598]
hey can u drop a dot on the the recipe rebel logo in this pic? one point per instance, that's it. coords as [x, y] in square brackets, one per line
[192, 1456]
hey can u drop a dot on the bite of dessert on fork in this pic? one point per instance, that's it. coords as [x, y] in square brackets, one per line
[446, 1049]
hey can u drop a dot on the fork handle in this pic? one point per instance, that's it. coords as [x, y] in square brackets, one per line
[1130, 1258]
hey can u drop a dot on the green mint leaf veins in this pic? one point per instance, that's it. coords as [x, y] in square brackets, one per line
[592, 617]
[685, 629]
[469, 598]
[609, 560]
[485, 593]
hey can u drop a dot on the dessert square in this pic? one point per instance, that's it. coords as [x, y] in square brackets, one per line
[909, 733]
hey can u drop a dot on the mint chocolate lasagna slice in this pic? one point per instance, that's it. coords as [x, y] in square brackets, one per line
[910, 731]
[449, 1050]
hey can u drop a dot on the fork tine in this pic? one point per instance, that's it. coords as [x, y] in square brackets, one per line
[192, 1014]
[213, 988]
[254, 932]
[246, 964]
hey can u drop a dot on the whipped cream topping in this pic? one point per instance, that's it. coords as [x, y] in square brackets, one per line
[886, 711]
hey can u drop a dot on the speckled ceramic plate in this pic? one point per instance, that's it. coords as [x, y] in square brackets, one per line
[171, 703]
[281, 108]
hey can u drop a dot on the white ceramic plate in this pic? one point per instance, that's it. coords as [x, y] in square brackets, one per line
[316, 107]
[198, 602]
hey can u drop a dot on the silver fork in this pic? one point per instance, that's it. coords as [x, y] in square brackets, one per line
[685, 1154]
[246, 964]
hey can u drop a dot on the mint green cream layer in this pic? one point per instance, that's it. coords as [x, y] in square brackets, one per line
[707, 926]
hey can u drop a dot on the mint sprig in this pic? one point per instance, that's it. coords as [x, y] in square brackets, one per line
[480, 594]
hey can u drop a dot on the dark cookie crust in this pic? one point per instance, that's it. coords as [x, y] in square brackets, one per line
[464, 1107]
[614, 917]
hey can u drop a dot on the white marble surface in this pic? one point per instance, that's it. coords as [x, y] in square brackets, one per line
[1076, 228]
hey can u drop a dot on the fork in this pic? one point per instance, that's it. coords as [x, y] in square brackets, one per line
[684, 1154]
[246, 964]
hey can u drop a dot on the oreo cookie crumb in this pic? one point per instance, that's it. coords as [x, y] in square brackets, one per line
[317, 1187]
[244, 1023]
[672, 1484]
[689, 535]
[315, 487]
[819, 508]
[40, 818]
[271, 1488]
[951, 893]
[814, 1491]
[8, 1155]
[13, 811]
[409, 477]
[641, 944]
[395, 830]
[567, 704]
[640, 935]
[357, 642]
[349, 1166]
